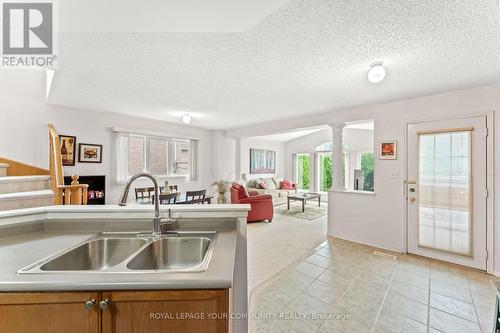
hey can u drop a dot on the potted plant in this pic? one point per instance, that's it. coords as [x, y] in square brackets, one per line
[221, 188]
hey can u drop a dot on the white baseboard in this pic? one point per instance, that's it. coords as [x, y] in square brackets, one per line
[369, 243]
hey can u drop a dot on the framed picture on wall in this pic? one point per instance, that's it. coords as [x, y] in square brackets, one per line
[262, 161]
[68, 148]
[89, 153]
[388, 150]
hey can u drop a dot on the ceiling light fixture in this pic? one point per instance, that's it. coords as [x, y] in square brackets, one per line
[186, 118]
[376, 74]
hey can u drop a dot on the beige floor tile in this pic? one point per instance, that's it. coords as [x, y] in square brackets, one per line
[278, 292]
[451, 290]
[325, 292]
[406, 307]
[319, 260]
[295, 279]
[290, 325]
[313, 310]
[309, 269]
[373, 281]
[448, 323]
[414, 293]
[450, 277]
[486, 317]
[344, 326]
[392, 322]
[340, 279]
[410, 278]
[453, 306]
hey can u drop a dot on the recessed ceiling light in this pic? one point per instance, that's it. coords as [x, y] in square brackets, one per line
[376, 74]
[186, 118]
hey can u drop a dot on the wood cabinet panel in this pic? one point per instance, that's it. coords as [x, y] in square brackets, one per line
[197, 311]
[50, 312]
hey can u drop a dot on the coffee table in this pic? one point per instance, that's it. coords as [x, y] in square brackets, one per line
[304, 197]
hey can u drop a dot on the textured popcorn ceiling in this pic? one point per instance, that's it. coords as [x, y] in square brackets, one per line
[307, 57]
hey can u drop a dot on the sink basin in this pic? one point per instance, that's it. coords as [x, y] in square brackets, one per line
[172, 254]
[179, 251]
[95, 254]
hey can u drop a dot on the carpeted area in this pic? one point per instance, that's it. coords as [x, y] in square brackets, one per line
[273, 246]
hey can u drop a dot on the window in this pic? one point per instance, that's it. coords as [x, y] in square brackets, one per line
[160, 156]
[303, 171]
[325, 170]
[367, 165]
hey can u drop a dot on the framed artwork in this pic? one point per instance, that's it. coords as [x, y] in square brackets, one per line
[262, 161]
[68, 149]
[89, 153]
[388, 150]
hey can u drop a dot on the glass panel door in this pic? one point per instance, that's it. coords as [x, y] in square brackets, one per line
[303, 171]
[445, 191]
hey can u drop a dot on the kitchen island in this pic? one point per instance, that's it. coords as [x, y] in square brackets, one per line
[103, 299]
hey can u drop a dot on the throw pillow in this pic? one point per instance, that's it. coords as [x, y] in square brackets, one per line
[242, 192]
[269, 183]
[286, 185]
[277, 181]
[263, 186]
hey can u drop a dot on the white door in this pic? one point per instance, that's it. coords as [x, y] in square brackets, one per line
[446, 190]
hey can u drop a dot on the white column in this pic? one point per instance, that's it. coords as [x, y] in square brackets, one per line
[237, 157]
[338, 155]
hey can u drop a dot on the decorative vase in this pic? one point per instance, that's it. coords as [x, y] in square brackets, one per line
[221, 199]
[166, 189]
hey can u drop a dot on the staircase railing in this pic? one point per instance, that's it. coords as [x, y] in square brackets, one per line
[74, 194]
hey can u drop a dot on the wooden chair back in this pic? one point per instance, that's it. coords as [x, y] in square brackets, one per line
[168, 199]
[143, 194]
[174, 188]
[195, 197]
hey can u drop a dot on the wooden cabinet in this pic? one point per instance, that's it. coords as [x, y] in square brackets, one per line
[115, 311]
[200, 311]
[48, 312]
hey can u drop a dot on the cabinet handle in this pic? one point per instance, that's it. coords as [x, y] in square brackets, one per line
[104, 304]
[89, 304]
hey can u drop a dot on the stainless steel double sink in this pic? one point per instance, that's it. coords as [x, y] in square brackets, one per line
[183, 251]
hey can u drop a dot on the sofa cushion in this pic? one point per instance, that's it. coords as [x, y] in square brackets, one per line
[277, 181]
[269, 183]
[286, 185]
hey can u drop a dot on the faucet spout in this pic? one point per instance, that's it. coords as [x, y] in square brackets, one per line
[123, 199]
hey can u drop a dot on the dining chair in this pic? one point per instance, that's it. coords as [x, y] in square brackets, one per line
[144, 194]
[195, 197]
[174, 188]
[168, 199]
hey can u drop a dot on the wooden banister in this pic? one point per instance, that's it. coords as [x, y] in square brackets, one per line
[74, 194]
[22, 169]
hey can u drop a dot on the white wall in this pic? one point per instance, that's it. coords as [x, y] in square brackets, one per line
[380, 222]
[248, 143]
[23, 131]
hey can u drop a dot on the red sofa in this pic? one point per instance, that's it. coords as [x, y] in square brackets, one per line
[261, 205]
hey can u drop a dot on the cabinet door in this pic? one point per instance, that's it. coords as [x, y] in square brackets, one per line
[200, 311]
[49, 312]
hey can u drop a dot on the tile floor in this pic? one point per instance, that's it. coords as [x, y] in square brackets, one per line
[343, 286]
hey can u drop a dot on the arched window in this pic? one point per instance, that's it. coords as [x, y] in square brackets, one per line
[327, 146]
